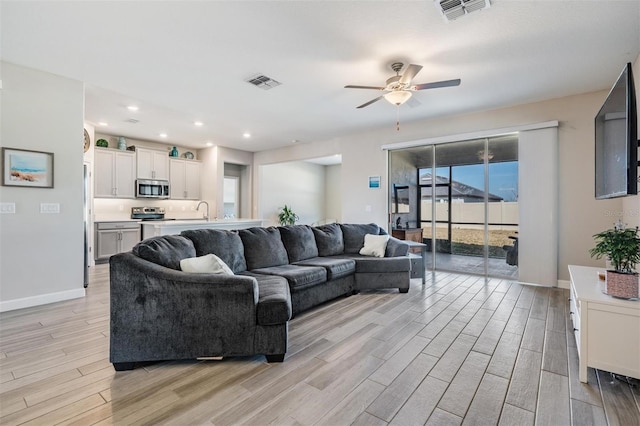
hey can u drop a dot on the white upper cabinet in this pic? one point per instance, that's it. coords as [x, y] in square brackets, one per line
[185, 179]
[114, 173]
[152, 164]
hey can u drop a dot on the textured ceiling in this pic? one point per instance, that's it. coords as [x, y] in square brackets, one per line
[186, 61]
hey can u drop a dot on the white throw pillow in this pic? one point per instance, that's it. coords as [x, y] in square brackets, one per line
[207, 264]
[374, 245]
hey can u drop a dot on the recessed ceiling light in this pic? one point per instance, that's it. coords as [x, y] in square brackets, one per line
[295, 140]
[102, 123]
[198, 123]
[209, 143]
[132, 108]
[163, 135]
[246, 135]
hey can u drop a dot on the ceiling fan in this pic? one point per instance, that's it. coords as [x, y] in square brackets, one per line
[399, 87]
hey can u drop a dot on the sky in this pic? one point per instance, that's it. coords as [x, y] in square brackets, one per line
[503, 178]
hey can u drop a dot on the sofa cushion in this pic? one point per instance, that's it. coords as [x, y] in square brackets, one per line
[299, 242]
[374, 245]
[263, 247]
[366, 264]
[336, 268]
[328, 239]
[166, 250]
[274, 300]
[207, 264]
[353, 235]
[298, 277]
[227, 245]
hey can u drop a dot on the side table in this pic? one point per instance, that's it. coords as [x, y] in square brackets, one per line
[423, 254]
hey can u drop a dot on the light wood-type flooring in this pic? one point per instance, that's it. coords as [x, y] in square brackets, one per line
[458, 350]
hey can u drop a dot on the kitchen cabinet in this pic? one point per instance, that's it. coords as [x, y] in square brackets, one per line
[152, 164]
[607, 329]
[114, 173]
[115, 237]
[185, 179]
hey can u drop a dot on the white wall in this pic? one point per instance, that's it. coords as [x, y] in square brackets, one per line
[300, 185]
[333, 193]
[41, 255]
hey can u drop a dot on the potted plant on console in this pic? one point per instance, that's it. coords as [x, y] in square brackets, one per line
[622, 246]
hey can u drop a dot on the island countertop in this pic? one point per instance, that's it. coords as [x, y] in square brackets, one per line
[168, 227]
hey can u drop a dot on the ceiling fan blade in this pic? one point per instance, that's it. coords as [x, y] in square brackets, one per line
[371, 101]
[350, 86]
[437, 84]
[409, 73]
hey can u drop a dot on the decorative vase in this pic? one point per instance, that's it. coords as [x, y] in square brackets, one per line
[122, 143]
[621, 285]
[174, 152]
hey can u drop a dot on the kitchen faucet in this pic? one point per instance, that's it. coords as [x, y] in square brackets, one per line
[206, 216]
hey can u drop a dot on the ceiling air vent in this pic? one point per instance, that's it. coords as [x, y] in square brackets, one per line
[263, 82]
[454, 9]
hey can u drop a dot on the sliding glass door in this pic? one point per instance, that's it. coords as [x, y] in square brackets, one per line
[466, 203]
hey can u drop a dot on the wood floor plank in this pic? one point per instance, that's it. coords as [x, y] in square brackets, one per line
[488, 401]
[488, 339]
[350, 407]
[448, 365]
[553, 400]
[504, 357]
[462, 389]
[587, 414]
[512, 416]
[517, 321]
[554, 358]
[442, 418]
[618, 400]
[420, 405]
[533, 338]
[392, 368]
[398, 392]
[523, 389]
[586, 392]
[439, 345]
[366, 419]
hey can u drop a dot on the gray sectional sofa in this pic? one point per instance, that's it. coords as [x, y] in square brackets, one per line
[159, 312]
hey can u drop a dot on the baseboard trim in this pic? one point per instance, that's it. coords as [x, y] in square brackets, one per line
[42, 299]
[564, 284]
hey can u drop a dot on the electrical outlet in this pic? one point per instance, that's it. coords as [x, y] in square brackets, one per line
[49, 207]
[8, 208]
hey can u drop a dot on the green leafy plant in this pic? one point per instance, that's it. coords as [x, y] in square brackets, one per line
[287, 216]
[620, 245]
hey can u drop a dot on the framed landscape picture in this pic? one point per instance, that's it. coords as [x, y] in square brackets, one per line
[31, 169]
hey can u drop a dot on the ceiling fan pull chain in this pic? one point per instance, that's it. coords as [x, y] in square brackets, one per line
[398, 119]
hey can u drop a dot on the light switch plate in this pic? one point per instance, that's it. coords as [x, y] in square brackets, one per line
[49, 207]
[9, 208]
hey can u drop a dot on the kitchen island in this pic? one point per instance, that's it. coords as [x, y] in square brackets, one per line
[168, 227]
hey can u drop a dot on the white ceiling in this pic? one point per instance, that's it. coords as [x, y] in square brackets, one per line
[182, 61]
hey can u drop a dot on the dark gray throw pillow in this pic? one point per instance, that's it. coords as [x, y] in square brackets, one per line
[263, 247]
[329, 239]
[167, 250]
[299, 242]
[353, 235]
[227, 245]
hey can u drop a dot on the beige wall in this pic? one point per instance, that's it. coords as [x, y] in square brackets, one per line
[333, 193]
[580, 215]
[41, 255]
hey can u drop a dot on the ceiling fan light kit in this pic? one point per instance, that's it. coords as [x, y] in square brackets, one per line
[398, 97]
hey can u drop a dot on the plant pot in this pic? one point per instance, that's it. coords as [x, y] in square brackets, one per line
[625, 286]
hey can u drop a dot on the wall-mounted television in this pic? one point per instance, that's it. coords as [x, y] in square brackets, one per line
[616, 138]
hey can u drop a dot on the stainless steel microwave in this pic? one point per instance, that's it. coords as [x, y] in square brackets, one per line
[152, 188]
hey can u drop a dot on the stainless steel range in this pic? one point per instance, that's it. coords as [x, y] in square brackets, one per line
[147, 213]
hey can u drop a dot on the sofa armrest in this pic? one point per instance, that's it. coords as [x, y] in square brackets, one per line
[159, 313]
[396, 247]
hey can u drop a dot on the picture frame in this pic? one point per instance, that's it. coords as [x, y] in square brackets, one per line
[26, 168]
[374, 182]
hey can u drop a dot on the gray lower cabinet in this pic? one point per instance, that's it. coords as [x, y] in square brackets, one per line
[115, 237]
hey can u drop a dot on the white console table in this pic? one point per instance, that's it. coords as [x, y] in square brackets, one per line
[607, 329]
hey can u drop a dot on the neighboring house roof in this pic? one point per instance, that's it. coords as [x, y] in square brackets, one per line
[458, 189]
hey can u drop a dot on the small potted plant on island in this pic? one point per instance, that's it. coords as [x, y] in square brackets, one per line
[622, 247]
[287, 216]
